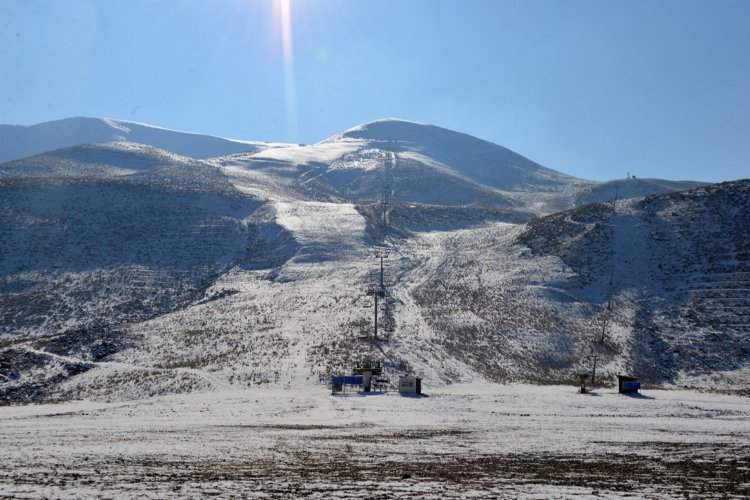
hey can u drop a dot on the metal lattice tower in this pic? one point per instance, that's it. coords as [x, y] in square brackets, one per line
[378, 288]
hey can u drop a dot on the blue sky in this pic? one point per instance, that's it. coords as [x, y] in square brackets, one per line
[594, 89]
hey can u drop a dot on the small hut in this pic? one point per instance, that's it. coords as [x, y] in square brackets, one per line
[409, 384]
[628, 385]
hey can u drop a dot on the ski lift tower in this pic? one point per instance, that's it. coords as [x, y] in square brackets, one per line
[379, 289]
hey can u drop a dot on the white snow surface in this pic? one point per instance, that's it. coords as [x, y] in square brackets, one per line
[468, 440]
[324, 230]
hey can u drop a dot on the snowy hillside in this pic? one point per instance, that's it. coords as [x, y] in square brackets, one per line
[94, 160]
[281, 301]
[83, 255]
[22, 141]
[657, 287]
[671, 273]
[358, 172]
[128, 271]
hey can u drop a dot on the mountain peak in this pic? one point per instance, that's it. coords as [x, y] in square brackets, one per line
[462, 155]
[395, 129]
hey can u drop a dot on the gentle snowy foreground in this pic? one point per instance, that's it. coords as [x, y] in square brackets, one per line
[462, 440]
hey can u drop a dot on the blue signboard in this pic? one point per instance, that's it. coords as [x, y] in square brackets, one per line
[348, 380]
[631, 386]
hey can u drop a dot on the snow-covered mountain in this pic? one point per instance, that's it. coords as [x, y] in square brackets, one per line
[21, 141]
[415, 163]
[459, 154]
[127, 271]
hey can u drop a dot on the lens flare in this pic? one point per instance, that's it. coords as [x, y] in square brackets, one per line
[290, 93]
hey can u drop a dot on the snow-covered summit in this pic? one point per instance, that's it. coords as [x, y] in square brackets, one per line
[22, 141]
[461, 154]
[386, 129]
[419, 163]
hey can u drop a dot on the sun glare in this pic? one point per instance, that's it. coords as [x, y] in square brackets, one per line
[290, 94]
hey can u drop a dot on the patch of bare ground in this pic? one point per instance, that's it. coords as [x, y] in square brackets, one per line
[413, 434]
[288, 427]
[654, 469]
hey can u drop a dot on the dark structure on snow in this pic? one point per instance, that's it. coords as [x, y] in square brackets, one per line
[628, 385]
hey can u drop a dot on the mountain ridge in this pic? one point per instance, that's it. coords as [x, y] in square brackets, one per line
[21, 141]
[430, 149]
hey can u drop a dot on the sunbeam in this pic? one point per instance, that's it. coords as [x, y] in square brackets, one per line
[290, 93]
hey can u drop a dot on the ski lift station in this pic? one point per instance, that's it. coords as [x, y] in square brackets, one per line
[366, 375]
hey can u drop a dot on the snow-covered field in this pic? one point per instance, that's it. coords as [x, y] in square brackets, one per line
[511, 441]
